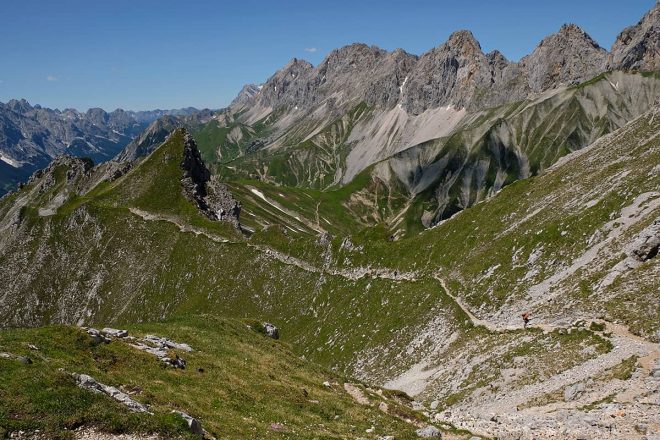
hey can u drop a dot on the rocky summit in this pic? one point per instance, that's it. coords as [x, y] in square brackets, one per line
[381, 246]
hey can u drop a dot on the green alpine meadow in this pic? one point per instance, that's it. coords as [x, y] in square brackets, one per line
[380, 245]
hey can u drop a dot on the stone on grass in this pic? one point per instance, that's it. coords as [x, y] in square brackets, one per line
[194, 425]
[114, 333]
[429, 432]
[271, 331]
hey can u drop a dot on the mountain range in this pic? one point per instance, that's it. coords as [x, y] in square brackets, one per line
[32, 136]
[450, 245]
[437, 132]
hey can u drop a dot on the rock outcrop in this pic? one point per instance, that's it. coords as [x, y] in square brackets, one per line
[89, 383]
[211, 197]
[194, 425]
[638, 46]
[647, 243]
[568, 57]
[76, 167]
[271, 331]
[429, 432]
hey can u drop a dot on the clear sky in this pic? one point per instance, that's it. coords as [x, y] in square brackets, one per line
[145, 54]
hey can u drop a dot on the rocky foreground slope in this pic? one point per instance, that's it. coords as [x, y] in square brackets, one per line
[58, 382]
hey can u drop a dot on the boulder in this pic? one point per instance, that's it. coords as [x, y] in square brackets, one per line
[194, 425]
[24, 360]
[175, 362]
[166, 343]
[271, 331]
[114, 333]
[573, 391]
[97, 337]
[429, 432]
[646, 244]
[417, 406]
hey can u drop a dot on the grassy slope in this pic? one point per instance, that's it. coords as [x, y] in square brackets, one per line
[128, 270]
[329, 319]
[560, 212]
[246, 383]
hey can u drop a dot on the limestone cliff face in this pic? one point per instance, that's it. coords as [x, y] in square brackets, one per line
[351, 74]
[638, 46]
[570, 56]
[449, 73]
[455, 73]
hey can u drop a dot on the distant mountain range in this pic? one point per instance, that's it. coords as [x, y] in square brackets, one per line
[31, 136]
[474, 241]
[437, 132]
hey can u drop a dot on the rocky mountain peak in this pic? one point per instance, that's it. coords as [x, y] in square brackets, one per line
[572, 30]
[296, 65]
[351, 57]
[638, 46]
[19, 106]
[455, 73]
[566, 57]
[448, 74]
[497, 59]
[284, 87]
[464, 41]
[568, 34]
[97, 116]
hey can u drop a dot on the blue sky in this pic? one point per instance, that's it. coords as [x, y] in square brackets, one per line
[144, 54]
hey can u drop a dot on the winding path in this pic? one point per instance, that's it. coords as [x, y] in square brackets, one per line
[625, 344]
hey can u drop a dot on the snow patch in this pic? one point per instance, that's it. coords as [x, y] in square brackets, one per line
[403, 84]
[10, 161]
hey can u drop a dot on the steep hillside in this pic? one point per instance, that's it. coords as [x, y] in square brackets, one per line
[478, 234]
[560, 246]
[235, 382]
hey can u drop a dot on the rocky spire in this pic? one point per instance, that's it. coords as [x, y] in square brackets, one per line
[211, 196]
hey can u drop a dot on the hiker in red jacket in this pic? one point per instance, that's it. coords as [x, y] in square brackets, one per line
[525, 317]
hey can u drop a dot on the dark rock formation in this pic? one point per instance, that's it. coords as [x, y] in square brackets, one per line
[271, 331]
[211, 197]
[647, 243]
